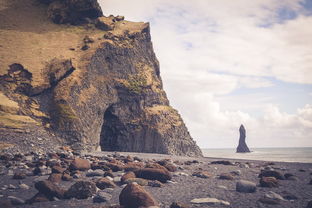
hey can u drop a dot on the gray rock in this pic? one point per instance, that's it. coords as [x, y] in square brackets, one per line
[97, 172]
[117, 179]
[209, 201]
[245, 186]
[102, 196]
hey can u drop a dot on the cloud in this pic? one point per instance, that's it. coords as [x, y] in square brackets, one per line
[208, 50]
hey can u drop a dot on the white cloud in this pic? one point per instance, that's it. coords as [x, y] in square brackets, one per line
[208, 49]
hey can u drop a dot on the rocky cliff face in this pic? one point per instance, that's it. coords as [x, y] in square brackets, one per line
[100, 87]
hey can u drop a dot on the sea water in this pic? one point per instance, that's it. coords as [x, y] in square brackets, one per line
[298, 154]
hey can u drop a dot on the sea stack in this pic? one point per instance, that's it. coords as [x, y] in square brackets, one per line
[242, 146]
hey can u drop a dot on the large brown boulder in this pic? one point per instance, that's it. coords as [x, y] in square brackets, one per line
[135, 196]
[161, 175]
[73, 11]
[80, 164]
[49, 189]
[81, 190]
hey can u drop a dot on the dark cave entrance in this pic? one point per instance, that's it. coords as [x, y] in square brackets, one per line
[110, 132]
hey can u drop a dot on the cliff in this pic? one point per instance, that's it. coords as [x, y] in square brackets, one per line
[92, 82]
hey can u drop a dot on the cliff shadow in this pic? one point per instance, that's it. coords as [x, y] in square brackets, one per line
[111, 129]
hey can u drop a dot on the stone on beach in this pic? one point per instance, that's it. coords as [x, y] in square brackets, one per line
[226, 176]
[135, 196]
[127, 175]
[80, 164]
[268, 182]
[209, 201]
[245, 186]
[81, 190]
[202, 174]
[154, 174]
[49, 189]
[104, 183]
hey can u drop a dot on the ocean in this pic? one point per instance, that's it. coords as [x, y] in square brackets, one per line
[298, 154]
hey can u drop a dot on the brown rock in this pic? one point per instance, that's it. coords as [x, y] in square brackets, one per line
[39, 197]
[135, 196]
[178, 205]
[202, 174]
[268, 182]
[55, 177]
[132, 166]
[81, 190]
[155, 166]
[57, 169]
[105, 23]
[161, 175]
[226, 176]
[80, 164]
[127, 175]
[66, 177]
[115, 166]
[104, 183]
[49, 189]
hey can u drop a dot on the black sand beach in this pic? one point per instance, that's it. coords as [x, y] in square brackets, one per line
[212, 181]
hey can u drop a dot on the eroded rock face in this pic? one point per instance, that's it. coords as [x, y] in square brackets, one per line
[242, 146]
[72, 11]
[110, 96]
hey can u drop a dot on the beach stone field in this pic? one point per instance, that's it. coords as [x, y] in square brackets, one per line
[133, 180]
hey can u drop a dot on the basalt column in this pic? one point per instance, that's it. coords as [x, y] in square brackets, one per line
[242, 146]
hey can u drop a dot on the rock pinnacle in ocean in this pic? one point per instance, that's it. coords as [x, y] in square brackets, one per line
[242, 146]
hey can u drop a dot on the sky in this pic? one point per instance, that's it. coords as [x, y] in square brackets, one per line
[224, 63]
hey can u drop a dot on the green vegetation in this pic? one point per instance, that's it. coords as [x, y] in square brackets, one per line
[64, 115]
[136, 83]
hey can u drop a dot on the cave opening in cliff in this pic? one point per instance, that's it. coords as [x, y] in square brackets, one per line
[110, 131]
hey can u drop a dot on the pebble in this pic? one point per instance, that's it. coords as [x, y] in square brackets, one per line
[180, 174]
[109, 178]
[245, 186]
[23, 186]
[210, 201]
[11, 186]
[117, 179]
[222, 187]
